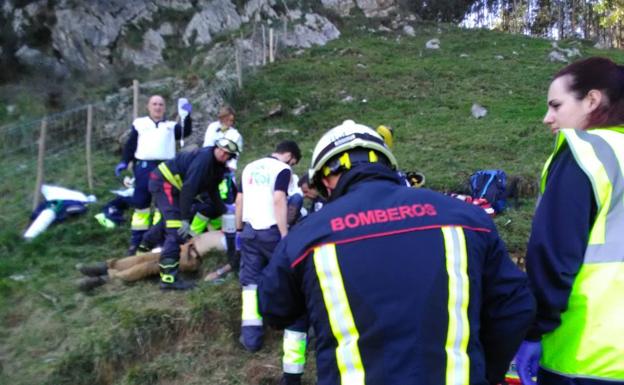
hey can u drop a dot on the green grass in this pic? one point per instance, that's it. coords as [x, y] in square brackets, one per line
[134, 334]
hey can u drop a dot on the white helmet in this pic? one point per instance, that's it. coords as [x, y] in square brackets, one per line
[347, 136]
[231, 142]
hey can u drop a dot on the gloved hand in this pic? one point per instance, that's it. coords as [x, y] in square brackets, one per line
[527, 361]
[120, 167]
[185, 229]
[184, 108]
[237, 241]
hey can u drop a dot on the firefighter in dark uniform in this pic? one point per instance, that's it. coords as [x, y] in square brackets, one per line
[174, 185]
[401, 285]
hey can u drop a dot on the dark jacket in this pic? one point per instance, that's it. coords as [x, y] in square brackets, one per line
[200, 173]
[392, 259]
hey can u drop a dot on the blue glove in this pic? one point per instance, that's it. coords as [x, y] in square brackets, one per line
[527, 361]
[185, 229]
[188, 108]
[120, 167]
[237, 241]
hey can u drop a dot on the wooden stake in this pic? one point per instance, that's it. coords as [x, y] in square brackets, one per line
[263, 46]
[271, 58]
[135, 93]
[88, 146]
[239, 72]
[40, 156]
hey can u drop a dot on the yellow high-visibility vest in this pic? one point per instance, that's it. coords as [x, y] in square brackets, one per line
[589, 343]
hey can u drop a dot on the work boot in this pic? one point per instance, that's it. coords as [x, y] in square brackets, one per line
[89, 283]
[169, 279]
[93, 270]
[291, 379]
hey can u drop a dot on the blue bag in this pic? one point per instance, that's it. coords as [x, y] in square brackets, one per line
[491, 185]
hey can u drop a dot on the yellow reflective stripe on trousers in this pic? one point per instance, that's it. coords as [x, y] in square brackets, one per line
[173, 224]
[339, 313]
[250, 315]
[140, 219]
[587, 159]
[175, 180]
[294, 345]
[457, 361]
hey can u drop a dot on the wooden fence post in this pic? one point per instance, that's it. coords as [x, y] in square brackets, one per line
[263, 46]
[239, 72]
[271, 58]
[40, 156]
[88, 146]
[135, 96]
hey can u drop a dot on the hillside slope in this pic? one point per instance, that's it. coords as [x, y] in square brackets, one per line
[135, 334]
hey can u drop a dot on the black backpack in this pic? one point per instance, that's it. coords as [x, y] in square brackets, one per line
[491, 185]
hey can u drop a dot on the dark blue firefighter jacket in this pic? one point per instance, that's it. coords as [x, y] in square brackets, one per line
[393, 296]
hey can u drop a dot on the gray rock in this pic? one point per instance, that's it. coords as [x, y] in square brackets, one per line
[433, 44]
[377, 8]
[19, 22]
[341, 7]
[556, 56]
[150, 54]
[316, 30]
[38, 61]
[166, 29]
[258, 9]
[299, 110]
[178, 5]
[7, 7]
[216, 17]
[478, 111]
[409, 30]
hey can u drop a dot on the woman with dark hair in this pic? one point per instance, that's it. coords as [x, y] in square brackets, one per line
[575, 255]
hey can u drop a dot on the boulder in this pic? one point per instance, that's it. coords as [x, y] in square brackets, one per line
[38, 61]
[257, 10]
[378, 8]
[341, 7]
[150, 55]
[315, 30]
[478, 111]
[216, 17]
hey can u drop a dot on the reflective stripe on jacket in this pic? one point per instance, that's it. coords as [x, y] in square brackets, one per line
[589, 343]
[402, 286]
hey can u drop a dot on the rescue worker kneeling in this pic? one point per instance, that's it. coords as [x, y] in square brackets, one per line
[424, 294]
[174, 185]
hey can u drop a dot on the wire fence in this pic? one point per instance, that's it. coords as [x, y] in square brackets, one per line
[72, 150]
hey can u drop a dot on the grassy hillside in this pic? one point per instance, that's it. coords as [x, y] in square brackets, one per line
[134, 334]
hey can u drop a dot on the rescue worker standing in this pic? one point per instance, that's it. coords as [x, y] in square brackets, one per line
[174, 185]
[261, 215]
[401, 285]
[217, 130]
[575, 255]
[152, 140]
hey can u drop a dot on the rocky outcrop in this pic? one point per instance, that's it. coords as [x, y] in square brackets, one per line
[340, 7]
[378, 8]
[310, 29]
[33, 58]
[216, 17]
[150, 55]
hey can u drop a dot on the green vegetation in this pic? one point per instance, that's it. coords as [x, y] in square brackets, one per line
[134, 334]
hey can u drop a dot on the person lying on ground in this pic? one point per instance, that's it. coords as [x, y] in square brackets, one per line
[137, 267]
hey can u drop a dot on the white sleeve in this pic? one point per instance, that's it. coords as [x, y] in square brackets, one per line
[211, 134]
